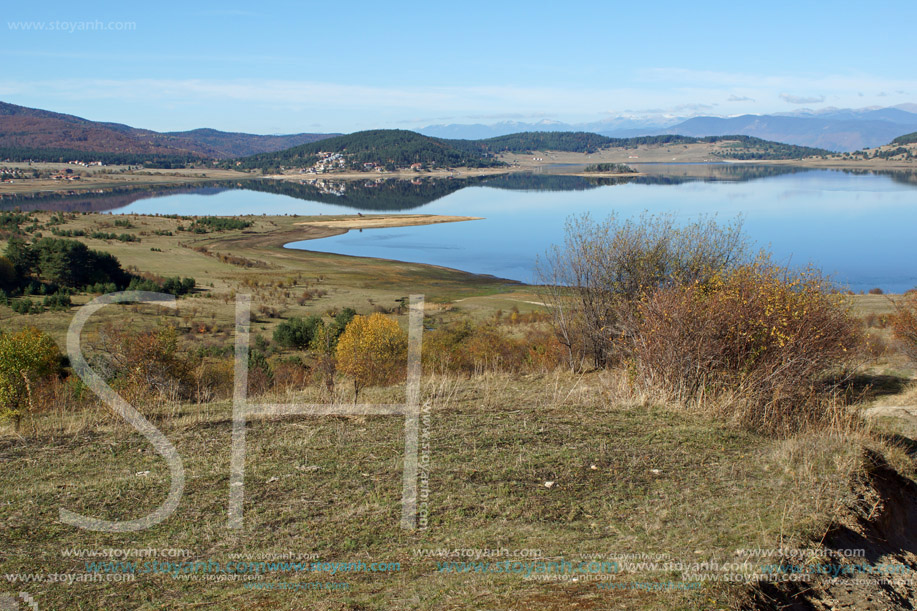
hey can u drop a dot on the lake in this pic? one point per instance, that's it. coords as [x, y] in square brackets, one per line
[858, 227]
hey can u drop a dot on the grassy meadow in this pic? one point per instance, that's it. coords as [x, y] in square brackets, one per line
[577, 466]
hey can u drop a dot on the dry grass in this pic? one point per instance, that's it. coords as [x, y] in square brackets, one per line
[628, 477]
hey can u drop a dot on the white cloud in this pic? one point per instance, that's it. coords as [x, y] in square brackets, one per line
[237, 103]
[801, 99]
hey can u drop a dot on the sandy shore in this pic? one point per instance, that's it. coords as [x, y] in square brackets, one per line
[605, 174]
[847, 164]
[373, 221]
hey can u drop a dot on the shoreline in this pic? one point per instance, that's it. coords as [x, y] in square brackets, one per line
[379, 221]
[400, 174]
[274, 244]
[154, 179]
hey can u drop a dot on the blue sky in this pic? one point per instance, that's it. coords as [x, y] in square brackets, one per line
[281, 67]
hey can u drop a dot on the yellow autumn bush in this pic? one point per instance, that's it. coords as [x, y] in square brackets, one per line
[26, 358]
[373, 351]
[771, 339]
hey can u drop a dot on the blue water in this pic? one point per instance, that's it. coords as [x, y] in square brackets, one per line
[857, 228]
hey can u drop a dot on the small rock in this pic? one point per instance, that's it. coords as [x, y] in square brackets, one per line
[549, 484]
[655, 471]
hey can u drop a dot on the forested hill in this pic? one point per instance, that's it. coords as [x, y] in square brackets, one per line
[740, 147]
[387, 148]
[576, 142]
[397, 149]
[906, 139]
[42, 135]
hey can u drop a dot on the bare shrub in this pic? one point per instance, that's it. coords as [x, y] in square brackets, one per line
[291, 376]
[462, 347]
[876, 346]
[876, 321]
[593, 282]
[771, 340]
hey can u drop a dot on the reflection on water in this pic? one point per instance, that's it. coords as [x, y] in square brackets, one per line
[106, 199]
[379, 194]
[856, 225]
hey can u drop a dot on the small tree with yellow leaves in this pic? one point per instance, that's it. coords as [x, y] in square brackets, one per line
[372, 350]
[26, 357]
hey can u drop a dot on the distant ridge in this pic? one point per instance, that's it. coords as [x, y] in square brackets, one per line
[905, 139]
[827, 133]
[836, 129]
[35, 130]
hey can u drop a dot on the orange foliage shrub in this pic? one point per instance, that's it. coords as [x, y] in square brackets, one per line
[461, 347]
[289, 376]
[145, 365]
[766, 337]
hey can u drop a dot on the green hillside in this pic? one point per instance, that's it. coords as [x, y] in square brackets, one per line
[906, 139]
[389, 148]
[397, 149]
[743, 147]
[575, 142]
[62, 155]
[751, 148]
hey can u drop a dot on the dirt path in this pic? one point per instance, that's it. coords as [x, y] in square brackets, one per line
[880, 522]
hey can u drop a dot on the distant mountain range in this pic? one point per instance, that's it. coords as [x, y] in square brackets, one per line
[836, 129]
[40, 134]
[616, 128]
[23, 128]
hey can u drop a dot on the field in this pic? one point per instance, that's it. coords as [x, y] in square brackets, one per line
[107, 177]
[684, 154]
[579, 467]
[628, 478]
